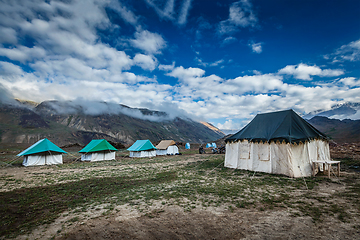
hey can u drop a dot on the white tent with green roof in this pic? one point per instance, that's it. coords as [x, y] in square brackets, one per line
[142, 148]
[98, 150]
[43, 152]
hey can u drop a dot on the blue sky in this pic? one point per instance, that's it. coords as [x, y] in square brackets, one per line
[218, 61]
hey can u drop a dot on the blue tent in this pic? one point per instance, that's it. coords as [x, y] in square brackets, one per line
[214, 145]
[208, 145]
[187, 146]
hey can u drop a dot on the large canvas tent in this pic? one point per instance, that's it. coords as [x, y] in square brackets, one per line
[142, 148]
[278, 142]
[167, 147]
[43, 152]
[98, 150]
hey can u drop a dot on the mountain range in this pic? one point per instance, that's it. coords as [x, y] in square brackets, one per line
[342, 131]
[348, 110]
[341, 123]
[66, 122]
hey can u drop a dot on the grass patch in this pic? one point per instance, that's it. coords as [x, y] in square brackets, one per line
[23, 209]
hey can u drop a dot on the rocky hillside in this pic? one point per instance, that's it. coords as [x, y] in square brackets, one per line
[69, 123]
[342, 131]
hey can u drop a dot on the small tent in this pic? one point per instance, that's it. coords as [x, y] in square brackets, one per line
[208, 145]
[187, 146]
[142, 148]
[278, 142]
[98, 150]
[43, 152]
[213, 145]
[167, 147]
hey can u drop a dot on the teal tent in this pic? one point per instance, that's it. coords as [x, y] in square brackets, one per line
[142, 148]
[43, 152]
[98, 150]
[187, 146]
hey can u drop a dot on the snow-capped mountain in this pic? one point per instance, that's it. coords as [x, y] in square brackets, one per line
[348, 110]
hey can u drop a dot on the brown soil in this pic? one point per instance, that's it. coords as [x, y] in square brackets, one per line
[174, 223]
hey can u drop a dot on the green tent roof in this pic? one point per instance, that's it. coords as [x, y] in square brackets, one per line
[283, 126]
[141, 145]
[43, 145]
[97, 145]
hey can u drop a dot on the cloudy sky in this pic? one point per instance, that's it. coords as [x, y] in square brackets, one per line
[219, 61]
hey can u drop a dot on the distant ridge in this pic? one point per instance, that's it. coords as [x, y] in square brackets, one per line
[65, 122]
[342, 131]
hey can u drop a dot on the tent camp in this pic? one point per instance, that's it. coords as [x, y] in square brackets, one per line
[278, 142]
[142, 148]
[98, 150]
[167, 147]
[42, 152]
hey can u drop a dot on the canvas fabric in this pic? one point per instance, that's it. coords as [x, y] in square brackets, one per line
[98, 156]
[42, 159]
[141, 154]
[293, 160]
[171, 150]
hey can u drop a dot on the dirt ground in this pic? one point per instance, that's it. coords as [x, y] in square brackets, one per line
[172, 222]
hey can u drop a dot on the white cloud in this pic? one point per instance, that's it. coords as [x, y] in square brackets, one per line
[164, 10]
[348, 52]
[22, 53]
[350, 81]
[212, 97]
[177, 13]
[228, 124]
[10, 69]
[216, 63]
[8, 35]
[164, 67]
[184, 12]
[151, 43]
[240, 15]
[210, 64]
[146, 62]
[185, 74]
[124, 12]
[304, 72]
[228, 40]
[256, 47]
